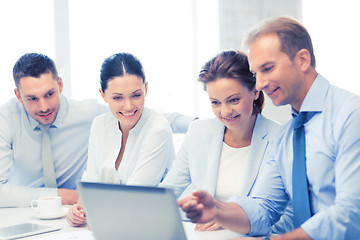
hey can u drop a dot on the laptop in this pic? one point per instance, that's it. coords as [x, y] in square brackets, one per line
[131, 212]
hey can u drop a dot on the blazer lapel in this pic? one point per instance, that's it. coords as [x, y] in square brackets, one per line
[259, 143]
[214, 153]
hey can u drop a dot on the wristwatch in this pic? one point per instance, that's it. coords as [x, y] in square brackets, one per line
[266, 238]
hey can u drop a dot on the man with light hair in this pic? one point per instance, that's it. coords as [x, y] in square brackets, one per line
[314, 163]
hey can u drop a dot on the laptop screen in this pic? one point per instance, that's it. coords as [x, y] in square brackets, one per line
[131, 212]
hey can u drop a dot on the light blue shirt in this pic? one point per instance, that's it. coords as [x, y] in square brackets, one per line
[20, 149]
[333, 168]
[179, 123]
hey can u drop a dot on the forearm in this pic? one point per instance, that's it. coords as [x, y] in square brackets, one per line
[297, 234]
[232, 217]
[68, 196]
[19, 196]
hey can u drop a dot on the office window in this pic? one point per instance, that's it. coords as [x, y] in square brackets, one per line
[171, 38]
[333, 26]
[26, 26]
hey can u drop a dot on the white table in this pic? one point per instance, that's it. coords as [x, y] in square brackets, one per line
[11, 216]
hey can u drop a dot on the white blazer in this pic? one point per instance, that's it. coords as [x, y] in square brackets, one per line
[197, 162]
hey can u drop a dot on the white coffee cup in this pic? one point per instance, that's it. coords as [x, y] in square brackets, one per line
[47, 205]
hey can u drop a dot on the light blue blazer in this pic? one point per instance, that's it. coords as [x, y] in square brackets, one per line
[197, 162]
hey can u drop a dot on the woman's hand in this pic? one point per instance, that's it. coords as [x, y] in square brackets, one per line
[76, 216]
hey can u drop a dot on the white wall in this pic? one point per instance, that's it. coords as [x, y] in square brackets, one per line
[334, 28]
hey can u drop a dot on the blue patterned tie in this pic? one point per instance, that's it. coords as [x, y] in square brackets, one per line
[301, 200]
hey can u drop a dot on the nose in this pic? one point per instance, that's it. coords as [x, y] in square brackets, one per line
[128, 104]
[225, 110]
[43, 105]
[261, 82]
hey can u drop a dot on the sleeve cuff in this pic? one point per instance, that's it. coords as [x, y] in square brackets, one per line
[259, 224]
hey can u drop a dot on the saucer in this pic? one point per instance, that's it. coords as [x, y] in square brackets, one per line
[48, 216]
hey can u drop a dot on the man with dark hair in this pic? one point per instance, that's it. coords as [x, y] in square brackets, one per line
[40, 105]
[314, 163]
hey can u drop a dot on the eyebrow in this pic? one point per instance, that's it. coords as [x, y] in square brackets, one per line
[34, 96]
[123, 94]
[232, 96]
[263, 65]
[30, 96]
[227, 97]
[137, 91]
[260, 67]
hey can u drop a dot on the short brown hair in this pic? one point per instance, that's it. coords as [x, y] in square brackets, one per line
[33, 65]
[235, 65]
[293, 36]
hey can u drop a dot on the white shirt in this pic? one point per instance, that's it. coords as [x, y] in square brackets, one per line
[148, 154]
[231, 173]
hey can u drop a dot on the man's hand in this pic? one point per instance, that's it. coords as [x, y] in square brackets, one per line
[211, 226]
[200, 207]
[69, 197]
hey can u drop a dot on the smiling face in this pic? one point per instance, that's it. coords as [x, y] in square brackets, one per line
[40, 96]
[126, 97]
[278, 76]
[232, 103]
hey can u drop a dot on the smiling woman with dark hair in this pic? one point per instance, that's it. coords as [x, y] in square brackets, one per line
[132, 144]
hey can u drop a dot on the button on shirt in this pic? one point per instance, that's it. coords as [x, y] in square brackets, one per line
[333, 168]
[20, 149]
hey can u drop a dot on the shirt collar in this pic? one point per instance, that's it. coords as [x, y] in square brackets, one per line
[138, 126]
[141, 121]
[314, 100]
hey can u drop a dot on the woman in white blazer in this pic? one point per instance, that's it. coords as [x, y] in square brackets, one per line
[197, 162]
[224, 156]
